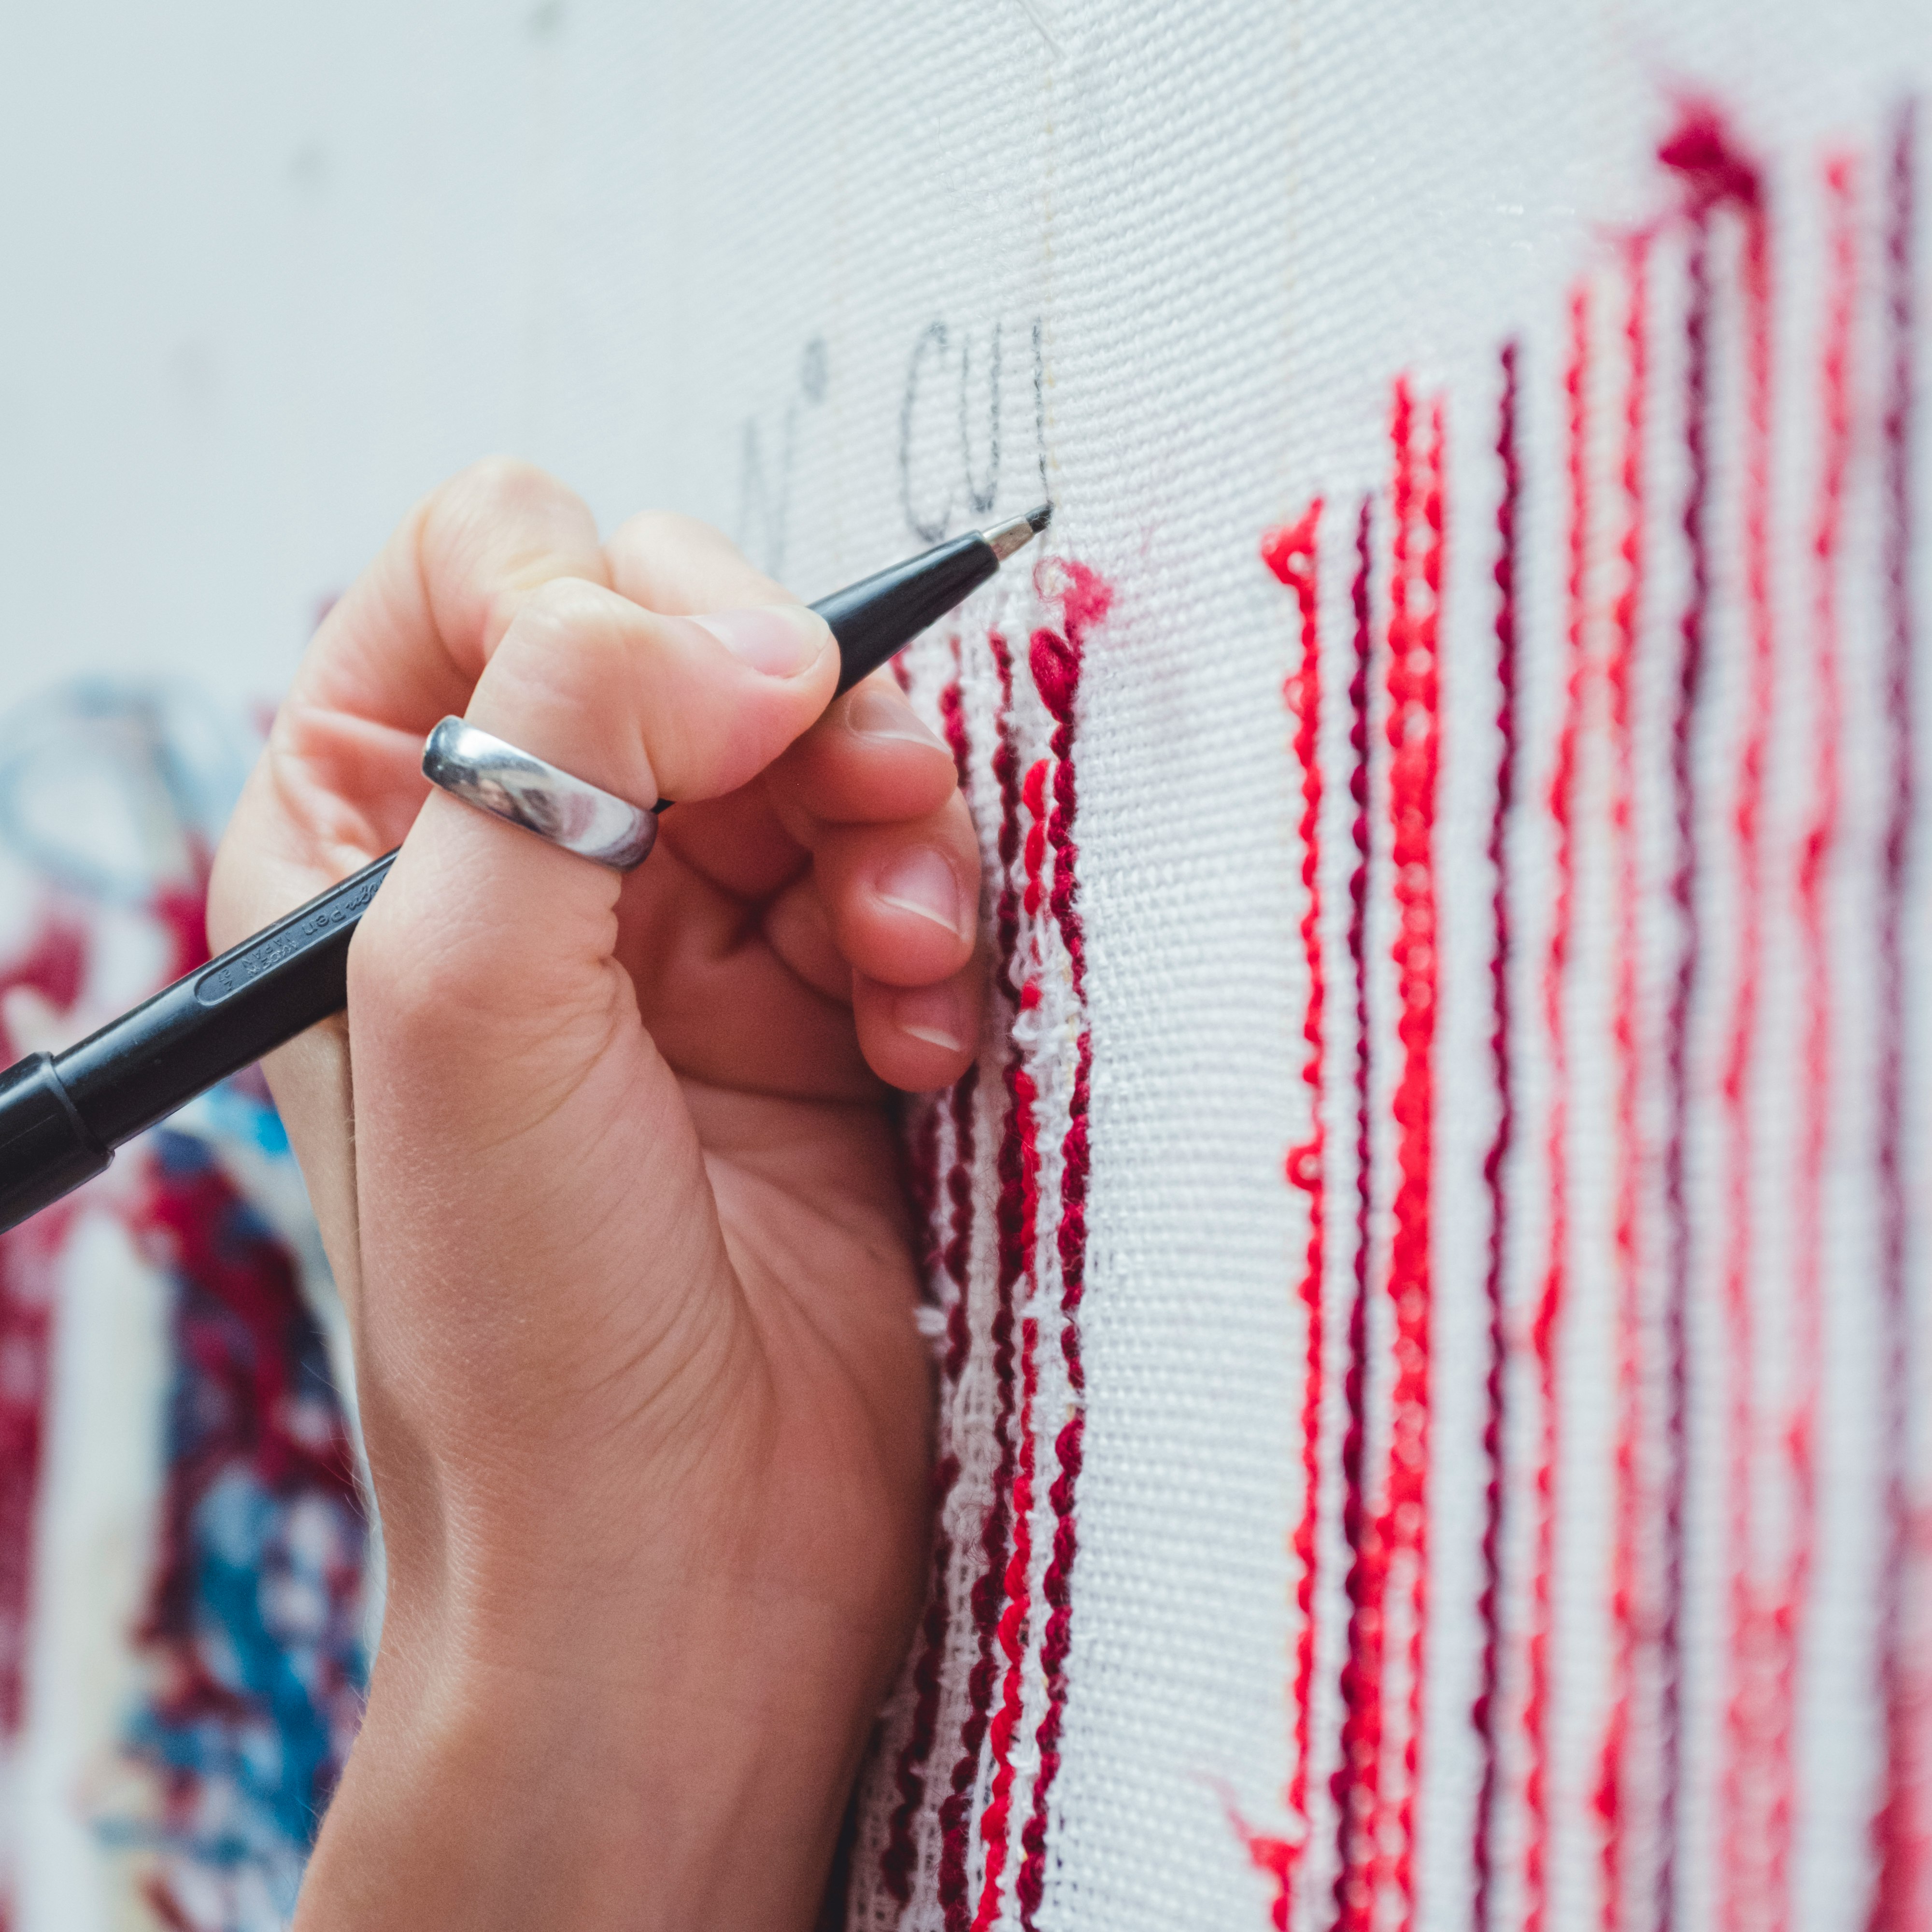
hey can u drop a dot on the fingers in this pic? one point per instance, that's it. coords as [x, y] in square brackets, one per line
[918, 1037]
[870, 758]
[649, 706]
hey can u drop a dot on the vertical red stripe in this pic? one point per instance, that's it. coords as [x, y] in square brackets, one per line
[1354, 1799]
[1614, 1782]
[1785, 1619]
[1014, 1211]
[1485, 1713]
[1687, 706]
[1555, 981]
[1741, 1848]
[1056, 659]
[1414, 730]
[1293, 554]
[1898, 1835]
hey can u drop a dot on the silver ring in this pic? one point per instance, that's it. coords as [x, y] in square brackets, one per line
[511, 785]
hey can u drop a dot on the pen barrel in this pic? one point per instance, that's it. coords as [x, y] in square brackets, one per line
[253, 998]
[46, 1150]
[873, 619]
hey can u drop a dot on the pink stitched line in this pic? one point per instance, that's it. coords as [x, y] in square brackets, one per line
[1354, 1800]
[1555, 977]
[1292, 553]
[1613, 1784]
[1785, 1620]
[1896, 1836]
[1414, 732]
[1056, 659]
[1741, 1846]
[900, 1854]
[1485, 1713]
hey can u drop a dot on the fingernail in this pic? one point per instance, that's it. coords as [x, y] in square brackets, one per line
[934, 1014]
[880, 713]
[778, 639]
[923, 881]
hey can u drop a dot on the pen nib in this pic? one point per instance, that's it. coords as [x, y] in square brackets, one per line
[1003, 539]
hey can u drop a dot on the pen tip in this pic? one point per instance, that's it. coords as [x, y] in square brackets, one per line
[1004, 538]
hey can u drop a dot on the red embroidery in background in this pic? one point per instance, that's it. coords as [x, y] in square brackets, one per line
[1686, 883]
[1485, 1711]
[1353, 1800]
[1555, 975]
[1898, 1834]
[1413, 727]
[1292, 553]
[1612, 1771]
[29, 1257]
[1716, 173]
[1785, 1620]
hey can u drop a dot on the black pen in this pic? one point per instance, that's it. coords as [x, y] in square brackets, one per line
[61, 1116]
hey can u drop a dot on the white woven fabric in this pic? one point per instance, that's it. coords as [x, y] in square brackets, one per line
[846, 280]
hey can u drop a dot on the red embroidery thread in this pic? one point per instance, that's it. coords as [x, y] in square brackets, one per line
[1556, 979]
[1613, 1772]
[1293, 554]
[1898, 1837]
[1485, 1713]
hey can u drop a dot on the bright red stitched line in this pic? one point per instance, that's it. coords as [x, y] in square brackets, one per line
[1056, 660]
[1612, 1771]
[1485, 1713]
[1786, 1615]
[1413, 728]
[1353, 1801]
[1292, 553]
[1897, 1841]
[1556, 977]
[1741, 1848]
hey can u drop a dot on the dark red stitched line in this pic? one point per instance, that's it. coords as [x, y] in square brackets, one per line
[1017, 1583]
[1613, 1782]
[1686, 885]
[1786, 1620]
[901, 1855]
[1353, 1801]
[1413, 727]
[1056, 660]
[1896, 1841]
[1485, 1713]
[1012, 1638]
[1712, 172]
[1292, 552]
[1555, 980]
[1014, 1214]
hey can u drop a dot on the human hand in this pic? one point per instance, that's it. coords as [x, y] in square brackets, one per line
[606, 1172]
